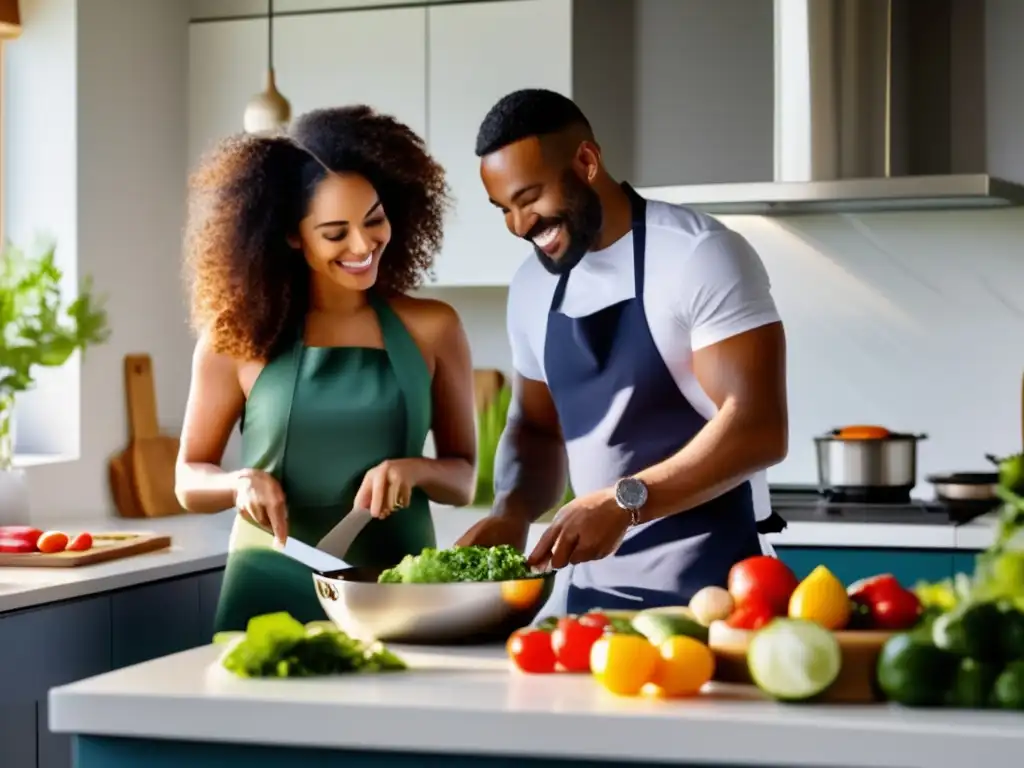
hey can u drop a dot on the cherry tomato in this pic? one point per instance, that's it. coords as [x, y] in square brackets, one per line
[572, 641]
[52, 541]
[595, 619]
[898, 610]
[765, 578]
[530, 650]
[753, 614]
[80, 543]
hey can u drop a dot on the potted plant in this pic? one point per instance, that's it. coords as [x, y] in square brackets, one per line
[37, 328]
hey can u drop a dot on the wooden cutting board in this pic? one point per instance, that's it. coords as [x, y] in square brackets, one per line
[856, 681]
[153, 455]
[119, 468]
[105, 547]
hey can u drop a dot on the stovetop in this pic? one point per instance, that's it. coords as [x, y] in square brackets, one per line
[798, 504]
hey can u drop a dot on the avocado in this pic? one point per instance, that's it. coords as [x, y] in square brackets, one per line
[1008, 691]
[1011, 637]
[659, 624]
[914, 672]
[970, 630]
[972, 684]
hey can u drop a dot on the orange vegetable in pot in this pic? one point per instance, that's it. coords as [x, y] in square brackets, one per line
[863, 432]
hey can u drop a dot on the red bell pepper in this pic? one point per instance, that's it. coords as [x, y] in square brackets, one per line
[891, 606]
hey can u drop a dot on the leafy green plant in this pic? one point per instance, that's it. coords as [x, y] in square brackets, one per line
[37, 328]
[490, 424]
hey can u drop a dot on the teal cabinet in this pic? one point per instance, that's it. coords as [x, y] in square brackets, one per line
[155, 620]
[963, 562]
[52, 645]
[852, 563]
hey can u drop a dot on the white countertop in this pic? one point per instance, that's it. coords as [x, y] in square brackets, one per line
[468, 701]
[199, 542]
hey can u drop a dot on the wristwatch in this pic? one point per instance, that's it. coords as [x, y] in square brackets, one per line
[631, 495]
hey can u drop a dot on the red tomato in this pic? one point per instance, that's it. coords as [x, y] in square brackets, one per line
[81, 543]
[763, 577]
[572, 641]
[896, 611]
[752, 614]
[876, 586]
[20, 533]
[16, 546]
[51, 542]
[595, 619]
[530, 650]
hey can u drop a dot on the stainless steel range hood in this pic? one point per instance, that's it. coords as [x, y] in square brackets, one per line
[879, 105]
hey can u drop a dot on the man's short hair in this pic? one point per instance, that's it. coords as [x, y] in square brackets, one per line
[525, 113]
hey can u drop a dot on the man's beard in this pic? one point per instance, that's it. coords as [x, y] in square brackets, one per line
[582, 219]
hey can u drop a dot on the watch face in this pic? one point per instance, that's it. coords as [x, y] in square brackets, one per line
[631, 493]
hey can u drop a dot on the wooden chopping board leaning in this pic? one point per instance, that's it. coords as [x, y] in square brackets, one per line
[142, 475]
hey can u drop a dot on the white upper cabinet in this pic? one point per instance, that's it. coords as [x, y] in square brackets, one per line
[478, 53]
[374, 57]
[226, 68]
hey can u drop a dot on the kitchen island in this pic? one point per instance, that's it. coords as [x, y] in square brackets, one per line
[59, 625]
[462, 707]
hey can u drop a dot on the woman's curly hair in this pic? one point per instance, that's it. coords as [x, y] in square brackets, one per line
[249, 287]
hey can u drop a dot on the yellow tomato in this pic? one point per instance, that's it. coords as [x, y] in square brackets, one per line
[821, 598]
[683, 668]
[623, 664]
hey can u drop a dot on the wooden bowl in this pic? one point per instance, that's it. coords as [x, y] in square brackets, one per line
[856, 681]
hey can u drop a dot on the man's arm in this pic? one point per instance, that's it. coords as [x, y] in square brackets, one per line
[530, 464]
[745, 376]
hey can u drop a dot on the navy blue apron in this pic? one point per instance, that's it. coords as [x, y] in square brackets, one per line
[621, 411]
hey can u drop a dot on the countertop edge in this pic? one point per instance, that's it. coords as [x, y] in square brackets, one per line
[492, 712]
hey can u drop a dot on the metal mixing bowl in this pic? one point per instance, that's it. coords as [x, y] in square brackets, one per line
[429, 614]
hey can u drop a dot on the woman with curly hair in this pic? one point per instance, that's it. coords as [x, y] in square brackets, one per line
[300, 251]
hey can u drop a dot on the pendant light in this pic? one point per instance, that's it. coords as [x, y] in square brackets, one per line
[268, 111]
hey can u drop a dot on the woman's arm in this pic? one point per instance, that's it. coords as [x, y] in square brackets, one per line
[451, 477]
[215, 401]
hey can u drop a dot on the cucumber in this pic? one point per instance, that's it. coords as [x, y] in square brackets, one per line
[659, 624]
[794, 659]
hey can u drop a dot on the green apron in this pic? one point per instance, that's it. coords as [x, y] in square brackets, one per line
[317, 419]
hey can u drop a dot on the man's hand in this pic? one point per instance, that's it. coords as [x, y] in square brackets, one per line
[495, 530]
[587, 528]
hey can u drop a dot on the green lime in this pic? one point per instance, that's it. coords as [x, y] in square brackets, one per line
[914, 672]
[973, 683]
[1011, 633]
[1008, 691]
[793, 659]
[970, 630]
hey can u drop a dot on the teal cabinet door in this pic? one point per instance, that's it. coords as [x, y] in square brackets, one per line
[155, 620]
[963, 562]
[850, 564]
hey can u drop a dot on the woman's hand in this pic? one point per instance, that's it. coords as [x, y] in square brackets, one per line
[387, 487]
[259, 497]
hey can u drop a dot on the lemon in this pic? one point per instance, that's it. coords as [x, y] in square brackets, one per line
[821, 598]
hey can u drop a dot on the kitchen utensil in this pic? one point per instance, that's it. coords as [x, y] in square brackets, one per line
[859, 460]
[315, 559]
[965, 486]
[105, 547]
[340, 537]
[429, 614]
[856, 681]
[153, 455]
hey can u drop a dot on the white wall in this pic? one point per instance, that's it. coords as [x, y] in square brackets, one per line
[914, 321]
[96, 154]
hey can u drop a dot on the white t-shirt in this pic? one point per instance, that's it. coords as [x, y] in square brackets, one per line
[702, 284]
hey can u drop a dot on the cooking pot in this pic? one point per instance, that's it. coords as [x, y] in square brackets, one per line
[867, 459]
[968, 486]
